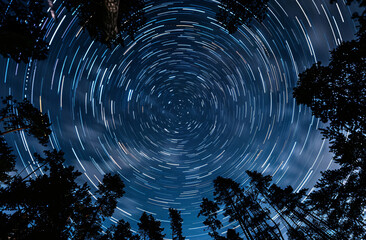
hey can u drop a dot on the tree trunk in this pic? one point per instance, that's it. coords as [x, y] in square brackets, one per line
[11, 116]
[111, 18]
[312, 226]
[241, 222]
[281, 214]
[275, 224]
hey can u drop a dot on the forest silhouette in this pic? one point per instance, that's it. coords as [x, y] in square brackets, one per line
[50, 203]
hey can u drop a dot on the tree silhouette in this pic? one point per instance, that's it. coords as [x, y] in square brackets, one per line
[339, 200]
[301, 222]
[176, 224]
[21, 31]
[48, 202]
[41, 207]
[149, 228]
[108, 20]
[131, 16]
[233, 13]
[17, 116]
[337, 95]
[54, 205]
[108, 192]
[209, 210]
[229, 193]
[244, 207]
[121, 231]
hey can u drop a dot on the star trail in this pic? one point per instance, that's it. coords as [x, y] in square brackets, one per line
[183, 103]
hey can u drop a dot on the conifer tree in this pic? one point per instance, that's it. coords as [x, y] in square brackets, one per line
[337, 95]
[48, 202]
[53, 205]
[108, 192]
[149, 228]
[176, 224]
[288, 205]
[121, 231]
[17, 116]
[209, 210]
[41, 207]
[229, 193]
[244, 207]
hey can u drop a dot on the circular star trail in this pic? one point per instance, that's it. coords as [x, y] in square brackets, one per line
[184, 102]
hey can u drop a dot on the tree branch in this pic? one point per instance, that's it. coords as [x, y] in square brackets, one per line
[13, 130]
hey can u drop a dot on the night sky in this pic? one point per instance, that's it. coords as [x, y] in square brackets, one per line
[183, 103]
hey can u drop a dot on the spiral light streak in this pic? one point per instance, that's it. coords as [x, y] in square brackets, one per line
[183, 103]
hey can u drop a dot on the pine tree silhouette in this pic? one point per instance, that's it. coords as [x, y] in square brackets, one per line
[149, 228]
[176, 224]
[337, 95]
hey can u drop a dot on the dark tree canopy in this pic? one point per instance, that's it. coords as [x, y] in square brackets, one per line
[244, 206]
[48, 202]
[337, 95]
[54, 205]
[21, 31]
[149, 228]
[340, 201]
[93, 214]
[16, 116]
[234, 13]
[233, 235]
[209, 210]
[121, 231]
[333, 211]
[41, 207]
[299, 221]
[176, 224]
[131, 16]
[108, 21]
[109, 191]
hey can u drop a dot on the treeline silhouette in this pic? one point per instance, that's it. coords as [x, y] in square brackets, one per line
[110, 22]
[47, 202]
[23, 31]
[336, 209]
